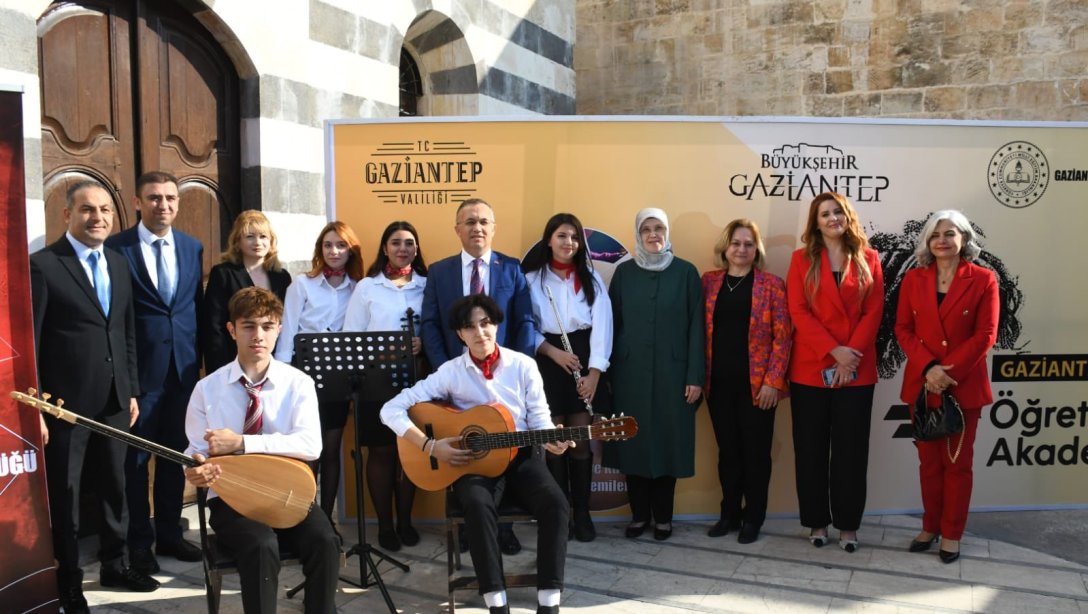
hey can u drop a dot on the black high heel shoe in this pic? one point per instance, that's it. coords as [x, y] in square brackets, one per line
[922, 546]
[635, 529]
[817, 540]
[948, 557]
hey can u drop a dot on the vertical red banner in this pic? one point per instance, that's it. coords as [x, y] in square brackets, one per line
[27, 578]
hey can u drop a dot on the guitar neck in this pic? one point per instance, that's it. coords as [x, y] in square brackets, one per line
[521, 439]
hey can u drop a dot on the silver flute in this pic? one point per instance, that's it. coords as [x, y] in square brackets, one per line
[566, 345]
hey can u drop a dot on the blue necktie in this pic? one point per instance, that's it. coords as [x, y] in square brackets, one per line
[166, 288]
[99, 283]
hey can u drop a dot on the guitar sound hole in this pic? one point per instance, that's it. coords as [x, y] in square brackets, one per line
[472, 438]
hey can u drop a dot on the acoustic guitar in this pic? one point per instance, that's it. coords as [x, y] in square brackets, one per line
[489, 432]
[273, 490]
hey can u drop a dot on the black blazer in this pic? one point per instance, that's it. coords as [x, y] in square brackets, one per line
[81, 354]
[224, 280]
[165, 331]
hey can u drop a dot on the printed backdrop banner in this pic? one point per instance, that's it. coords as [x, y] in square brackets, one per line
[1023, 185]
[27, 582]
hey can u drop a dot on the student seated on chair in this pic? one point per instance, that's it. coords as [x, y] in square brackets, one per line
[481, 376]
[258, 405]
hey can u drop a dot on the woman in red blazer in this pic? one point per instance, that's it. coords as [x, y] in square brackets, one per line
[836, 298]
[946, 323]
[748, 331]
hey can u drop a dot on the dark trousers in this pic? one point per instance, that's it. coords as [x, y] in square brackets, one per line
[651, 498]
[256, 548]
[946, 485]
[77, 457]
[744, 433]
[831, 452]
[528, 481]
[162, 420]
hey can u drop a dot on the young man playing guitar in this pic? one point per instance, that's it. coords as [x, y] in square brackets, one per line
[485, 375]
[259, 405]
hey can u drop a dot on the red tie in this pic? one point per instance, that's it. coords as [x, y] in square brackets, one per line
[475, 284]
[254, 413]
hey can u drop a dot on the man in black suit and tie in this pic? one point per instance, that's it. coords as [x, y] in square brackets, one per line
[166, 266]
[85, 337]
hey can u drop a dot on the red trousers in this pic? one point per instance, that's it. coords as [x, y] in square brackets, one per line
[946, 486]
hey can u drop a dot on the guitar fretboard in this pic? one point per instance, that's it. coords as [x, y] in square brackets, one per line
[521, 439]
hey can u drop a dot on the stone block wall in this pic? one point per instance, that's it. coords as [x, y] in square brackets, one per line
[982, 59]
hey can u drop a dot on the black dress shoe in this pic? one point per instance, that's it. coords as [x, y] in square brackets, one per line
[499, 609]
[73, 601]
[948, 557]
[921, 546]
[635, 529]
[748, 533]
[388, 540]
[407, 534]
[547, 609]
[662, 531]
[129, 579]
[142, 559]
[181, 550]
[508, 542]
[721, 528]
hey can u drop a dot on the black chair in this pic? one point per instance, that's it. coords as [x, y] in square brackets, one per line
[217, 562]
[455, 516]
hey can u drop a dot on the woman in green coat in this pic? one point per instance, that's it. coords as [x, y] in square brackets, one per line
[657, 371]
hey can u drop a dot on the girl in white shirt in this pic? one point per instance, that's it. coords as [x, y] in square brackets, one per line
[316, 303]
[560, 263]
[394, 284]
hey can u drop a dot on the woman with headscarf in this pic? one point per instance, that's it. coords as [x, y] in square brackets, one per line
[657, 371]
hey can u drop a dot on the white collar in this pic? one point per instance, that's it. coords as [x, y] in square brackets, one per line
[83, 250]
[467, 258]
[149, 237]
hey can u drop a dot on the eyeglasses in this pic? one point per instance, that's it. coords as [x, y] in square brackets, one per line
[482, 222]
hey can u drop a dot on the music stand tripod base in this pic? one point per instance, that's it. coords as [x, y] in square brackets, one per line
[362, 367]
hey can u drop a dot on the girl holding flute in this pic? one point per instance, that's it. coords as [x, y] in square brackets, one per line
[573, 317]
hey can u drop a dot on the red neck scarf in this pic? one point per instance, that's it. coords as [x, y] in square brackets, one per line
[565, 271]
[329, 272]
[393, 272]
[487, 365]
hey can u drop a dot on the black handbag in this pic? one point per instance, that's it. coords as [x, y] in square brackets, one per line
[937, 423]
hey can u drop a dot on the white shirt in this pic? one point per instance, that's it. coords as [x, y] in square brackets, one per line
[377, 304]
[516, 384]
[466, 271]
[312, 306]
[82, 251]
[169, 255]
[290, 423]
[577, 315]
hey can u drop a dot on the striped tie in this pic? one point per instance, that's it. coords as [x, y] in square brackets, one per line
[475, 284]
[254, 413]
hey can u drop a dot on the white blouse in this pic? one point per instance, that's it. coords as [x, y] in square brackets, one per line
[576, 313]
[312, 306]
[377, 304]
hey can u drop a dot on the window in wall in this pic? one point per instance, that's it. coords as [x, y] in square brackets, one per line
[411, 85]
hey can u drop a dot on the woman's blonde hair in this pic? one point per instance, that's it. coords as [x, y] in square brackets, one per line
[727, 236]
[247, 221]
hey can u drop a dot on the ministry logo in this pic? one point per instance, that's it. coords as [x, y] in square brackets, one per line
[1018, 174]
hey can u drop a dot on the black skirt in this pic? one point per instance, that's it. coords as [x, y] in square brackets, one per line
[559, 385]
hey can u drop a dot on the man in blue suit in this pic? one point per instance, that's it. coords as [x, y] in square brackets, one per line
[477, 270]
[166, 266]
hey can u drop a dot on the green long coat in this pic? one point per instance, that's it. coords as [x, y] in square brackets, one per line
[658, 349]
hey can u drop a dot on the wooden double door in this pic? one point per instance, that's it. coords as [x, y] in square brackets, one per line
[130, 86]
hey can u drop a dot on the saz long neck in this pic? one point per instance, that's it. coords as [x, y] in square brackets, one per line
[521, 439]
[137, 442]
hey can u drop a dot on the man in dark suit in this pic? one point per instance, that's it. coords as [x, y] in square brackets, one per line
[477, 270]
[85, 337]
[166, 269]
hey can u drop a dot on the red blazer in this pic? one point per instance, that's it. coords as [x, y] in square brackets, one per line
[769, 330]
[960, 332]
[836, 315]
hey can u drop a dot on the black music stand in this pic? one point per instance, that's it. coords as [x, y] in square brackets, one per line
[373, 367]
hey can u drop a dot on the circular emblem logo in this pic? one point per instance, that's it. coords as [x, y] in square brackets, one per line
[1018, 174]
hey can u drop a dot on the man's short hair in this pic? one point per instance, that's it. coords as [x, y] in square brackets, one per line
[254, 302]
[154, 177]
[461, 310]
[79, 186]
[468, 202]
